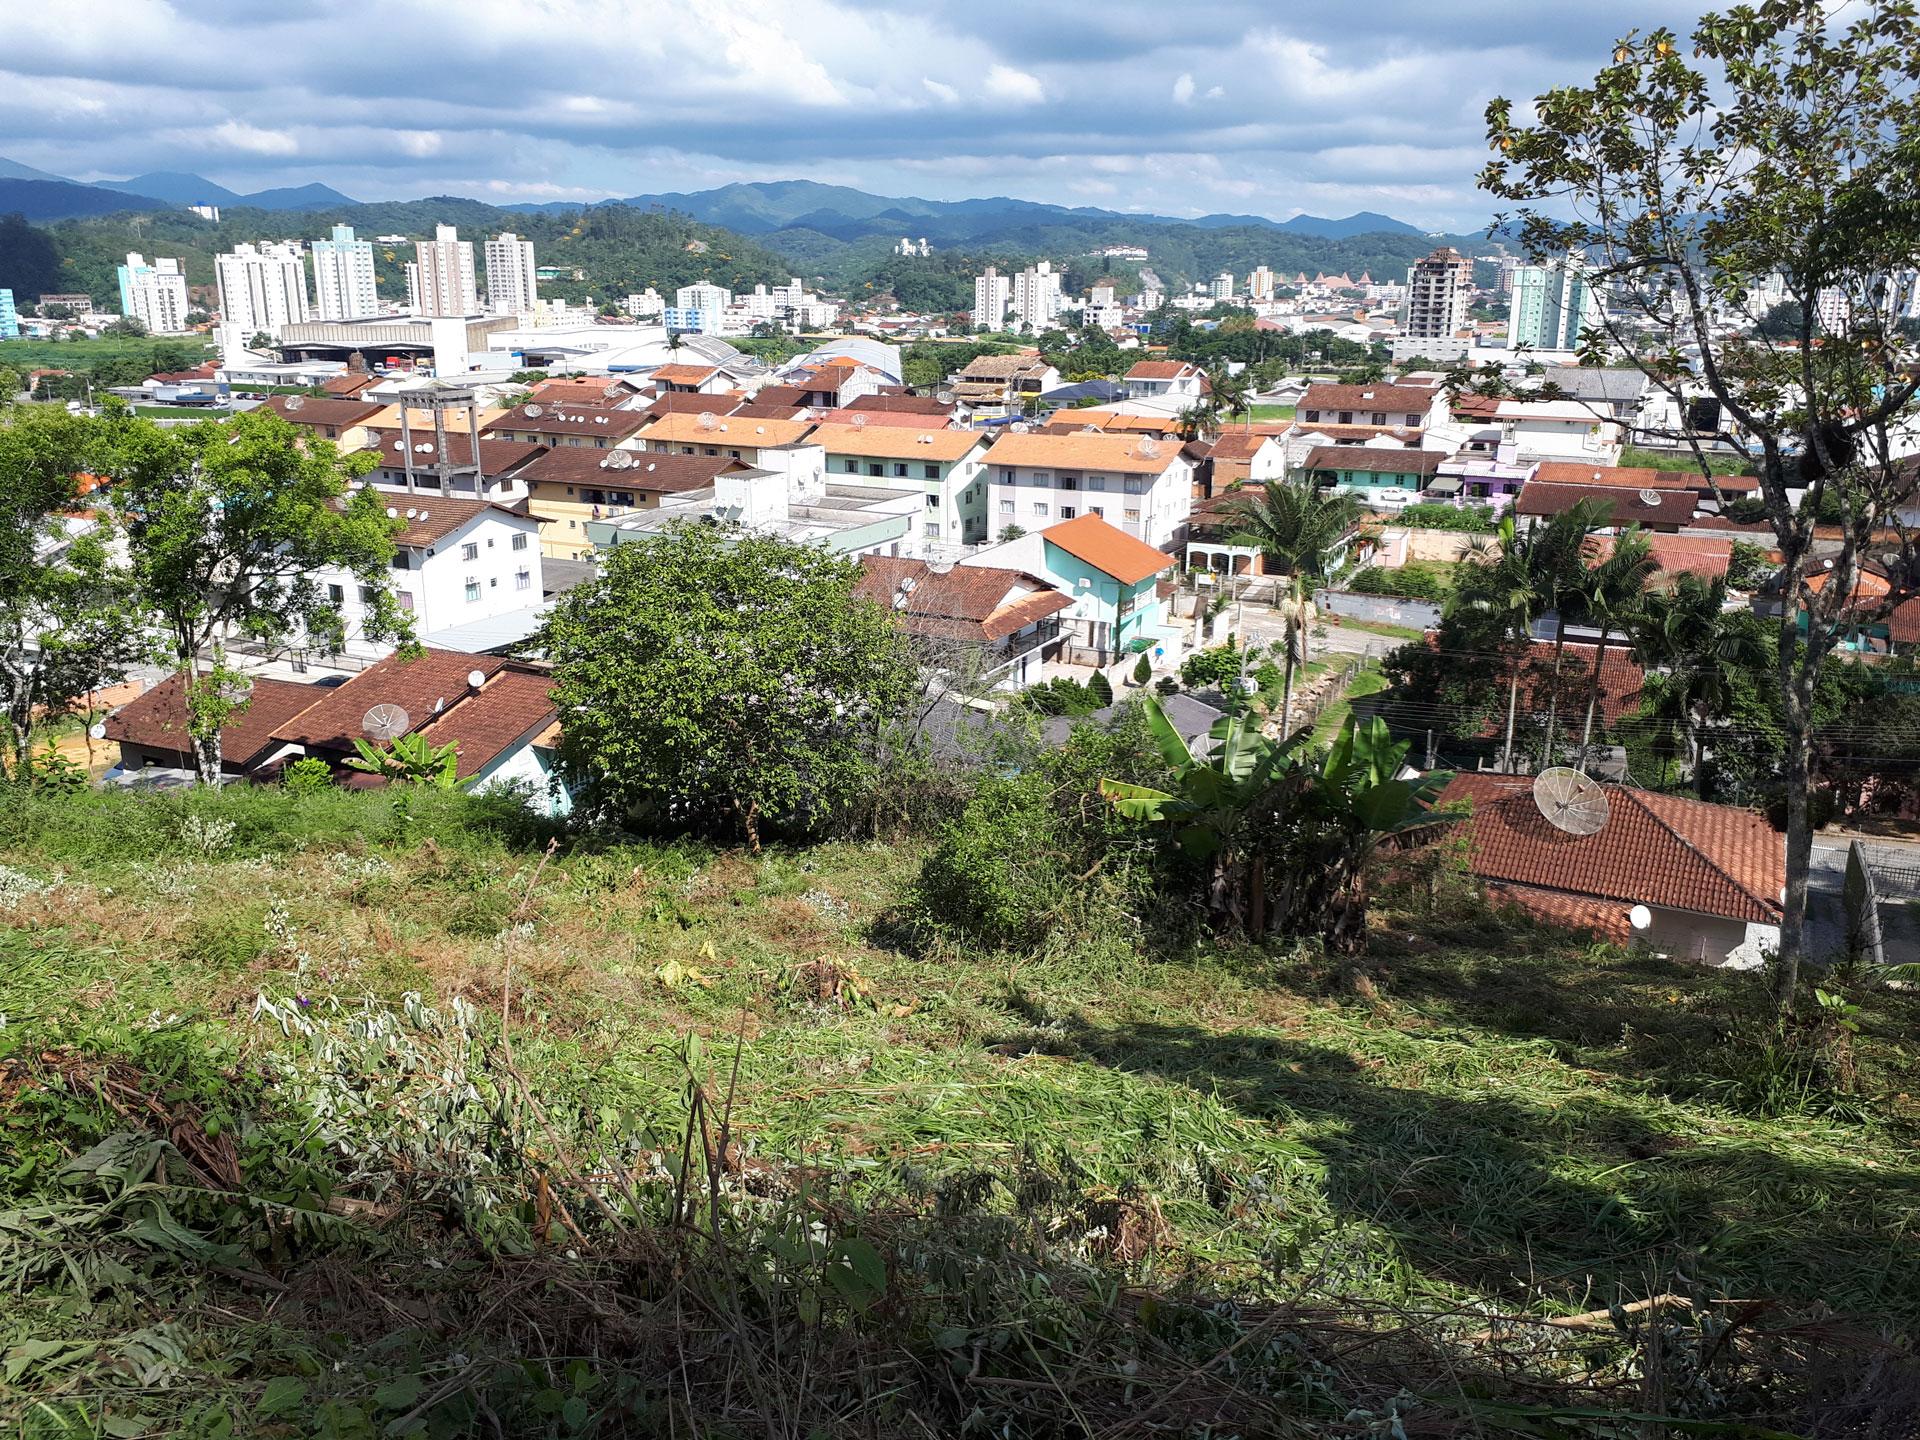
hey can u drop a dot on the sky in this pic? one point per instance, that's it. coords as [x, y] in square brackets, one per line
[1177, 109]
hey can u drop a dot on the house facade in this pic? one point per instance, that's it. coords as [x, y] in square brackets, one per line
[948, 467]
[1166, 380]
[1373, 474]
[1141, 486]
[1112, 579]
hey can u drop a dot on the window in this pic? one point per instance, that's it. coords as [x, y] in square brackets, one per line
[931, 531]
[1379, 418]
[470, 551]
[1133, 486]
[874, 467]
[489, 542]
[1413, 419]
[1096, 482]
[493, 583]
[1069, 482]
[933, 502]
[900, 469]
[1099, 510]
[473, 590]
[520, 541]
[1040, 508]
[368, 595]
[405, 597]
[1006, 507]
[523, 579]
[1346, 417]
[930, 472]
[335, 595]
[1067, 512]
[400, 560]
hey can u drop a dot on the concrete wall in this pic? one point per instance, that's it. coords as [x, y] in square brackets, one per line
[1380, 609]
[1709, 939]
[1443, 545]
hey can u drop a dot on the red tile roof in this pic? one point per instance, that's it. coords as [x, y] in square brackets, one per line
[157, 720]
[892, 419]
[1375, 459]
[1657, 850]
[513, 707]
[1161, 370]
[1704, 555]
[966, 602]
[497, 457]
[312, 411]
[1389, 399]
[915, 404]
[1619, 506]
[596, 420]
[1621, 683]
[1629, 477]
[582, 392]
[651, 471]
[1108, 549]
[684, 374]
[415, 685]
[434, 517]
[682, 402]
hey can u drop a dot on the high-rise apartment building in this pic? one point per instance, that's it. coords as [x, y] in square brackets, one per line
[343, 284]
[9, 321]
[1037, 300]
[1439, 290]
[1221, 286]
[1260, 285]
[511, 279]
[440, 279]
[1551, 305]
[262, 288]
[155, 295]
[992, 292]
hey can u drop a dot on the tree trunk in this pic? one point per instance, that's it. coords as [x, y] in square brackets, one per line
[206, 758]
[1513, 709]
[1553, 688]
[1593, 696]
[1286, 692]
[1793, 921]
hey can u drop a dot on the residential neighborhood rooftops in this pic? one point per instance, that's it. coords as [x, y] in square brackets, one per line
[650, 471]
[1391, 399]
[323, 411]
[421, 685]
[1073, 450]
[1620, 506]
[1629, 477]
[497, 457]
[896, 442]
[1239, 444]
[1110, 550]
[598, 421]
[892, 419]
[1653, 850]
[683, 402]
[1162, 370]
[1375, 459]
[514, 705]
[726, 430]
[436, 517]
[157, 720]
[963, 602]
[1707, 556]
[684, 374]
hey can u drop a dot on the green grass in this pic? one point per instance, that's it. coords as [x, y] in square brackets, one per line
[1270, 412]
[30, 354]
[1381, 627]
[1502, 1120]
[181, 412]
[1633, 455]
[1366, 680]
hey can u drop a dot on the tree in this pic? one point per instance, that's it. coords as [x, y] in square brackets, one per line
[1300, 530]
[409, 760]
[1562, 579]
[1783, 145]
[1687, 632]
[1611, 597]
[722, 681]
[259, 340]
[229, 527]
[125, 325]
[67, 626]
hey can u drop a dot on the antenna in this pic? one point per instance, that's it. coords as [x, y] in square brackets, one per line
[1640, 917]
[857, 420]
[532, 412]
[944, 397]
[618, 460]
[1649, 497]
[385, 721]
[476, 678]
[1570, 801]
[707, 420]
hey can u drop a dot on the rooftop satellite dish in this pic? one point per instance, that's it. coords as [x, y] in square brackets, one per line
[707, 420]
[618, 460]
[1570, 801]
[294, 402]
[858, 421]
[476, 678]
[1148, 447]
[392, 514]
[385, 721]
[944, 397]
[1640, 917]
[425, 447]
[97, 730]
[532, 412]
[1649, 497]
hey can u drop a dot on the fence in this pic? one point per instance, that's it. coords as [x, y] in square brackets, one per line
[1380, 609]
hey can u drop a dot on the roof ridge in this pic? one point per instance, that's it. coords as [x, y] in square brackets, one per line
[1763, 901]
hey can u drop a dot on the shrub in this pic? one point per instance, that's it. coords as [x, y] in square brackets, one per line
[308, 775]
[1414, 582]
[1142, 670]
[994, 875]
[1428, 515]
[1212, 669]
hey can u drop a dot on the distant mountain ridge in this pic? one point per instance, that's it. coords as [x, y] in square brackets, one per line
[154, 190]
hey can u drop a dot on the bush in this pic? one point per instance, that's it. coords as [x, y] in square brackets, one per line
[308, 775]
[1212, 669]
[1414, 582]
[1749, 566]
[1061, 696]
[1428, 515]
[994, 876]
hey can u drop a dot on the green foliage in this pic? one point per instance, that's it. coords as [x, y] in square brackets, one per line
[309, 775]
[1214, 669]
[1100, 687]
[724, 681]
[1429, 515]
[1414, 582]
[1063, 696]
[1749, 566]
[409, 760]
[1142, 670]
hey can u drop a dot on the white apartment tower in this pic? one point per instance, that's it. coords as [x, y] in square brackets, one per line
[440, 279]
[343, 287]
[1037, 301]
[1260, 285]
[1222, 286]
[991, 294]
[1552, 304]
[155, 295]
[511, 282]
[262, 288]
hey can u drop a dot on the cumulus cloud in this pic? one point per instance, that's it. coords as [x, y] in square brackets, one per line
[1015, 87]
[239, 135]
[1183, 90]
[941, 91]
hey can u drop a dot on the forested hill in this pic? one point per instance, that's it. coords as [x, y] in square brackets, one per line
[618, 249]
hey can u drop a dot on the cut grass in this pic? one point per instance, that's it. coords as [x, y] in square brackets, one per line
[1367, 680]
[1270, 412]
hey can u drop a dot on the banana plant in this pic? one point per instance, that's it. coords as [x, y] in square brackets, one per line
[410, 759]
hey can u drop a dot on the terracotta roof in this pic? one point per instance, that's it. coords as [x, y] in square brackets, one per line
[1238, 444]
[1375, 459]
[1468, 406]
[1390, 399]
[497, 457]
[1073, 451]
[1903, 625]
[780, 395]
[605, 391]
[966, 602]
[727, 430]
[415, 685]
[600, 421]
[1068, 421]
[1161, 370]
[158, 719]
[436, 516]
[319, 411]
[897, 442]
[1628, 477]
[894, 419]
[681, 402]
[1108, 549]
[1606, 918]
[1002, 367]
[1622, 682]
[345, 387]
[917, 404]
[514, 706]
[684, 374]
[1702, 555]
[1654, 850]
[1621, 507]
[653, 471]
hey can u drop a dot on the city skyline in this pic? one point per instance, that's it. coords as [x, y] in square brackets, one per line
[1098, 106]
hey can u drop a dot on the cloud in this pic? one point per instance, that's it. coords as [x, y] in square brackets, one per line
[1183, 90]
[239, 135]
[1015, 87]
[419, 143]
[941, 91]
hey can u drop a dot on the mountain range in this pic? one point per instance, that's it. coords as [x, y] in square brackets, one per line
[40, 195]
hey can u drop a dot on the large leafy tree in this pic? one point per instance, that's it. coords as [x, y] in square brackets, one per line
[1301, 531]
[67, 625]
[230, 526]
[1782, 141]
[723, 681]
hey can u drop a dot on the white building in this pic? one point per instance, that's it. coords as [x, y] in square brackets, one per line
[457, 561]
[648, 304]
[1036, 297]
[1141, 486]
[1551, 305]
[946, 466]
[262, 288]
[1260, 285]
[440, 281]
[1221, 287]
[343, 285]
[512, 286]
[991, 294]
[913, 247]
[206, 212]
[155, 295]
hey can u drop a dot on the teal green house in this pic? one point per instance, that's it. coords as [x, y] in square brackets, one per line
[1369, 469]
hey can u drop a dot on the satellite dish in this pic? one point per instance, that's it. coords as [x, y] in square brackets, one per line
[1649, 497]
[385, 721]
[97, 730]
[707, 420]
[532, 412]
[1148, 447]
[1570, 801]
[618, 460]
[858, 421]
[294, 402]
[944, 397]
[476, 678]
[1640, 917]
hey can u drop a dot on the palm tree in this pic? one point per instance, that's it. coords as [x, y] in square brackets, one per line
[1612, 596]
[1299, 529]
[1232, 394]
[1688, 632]
[1561, 586]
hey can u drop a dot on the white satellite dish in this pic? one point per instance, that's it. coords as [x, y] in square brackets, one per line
[1570, 801]
[1148, 447]
[532, 412]
[707, 420]
[944, 397]
[294, 402]
[385, 721]
[1649, 497]
[618, 460]
[476, 678]
[97, 730]
[857, 420]
[1640, 917]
